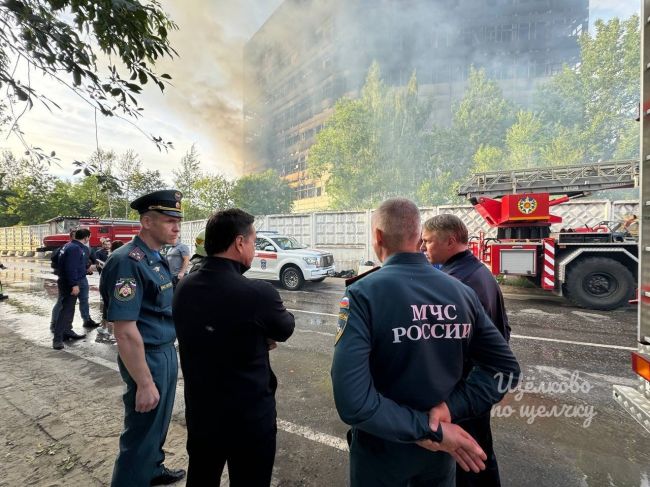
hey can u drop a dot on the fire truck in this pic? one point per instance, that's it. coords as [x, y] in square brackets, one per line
[595, 267]
[636, 400]
[114, 229]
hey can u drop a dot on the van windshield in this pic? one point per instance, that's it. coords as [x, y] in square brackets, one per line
[288, 243]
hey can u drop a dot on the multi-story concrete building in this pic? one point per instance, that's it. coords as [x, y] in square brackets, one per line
[309, 53]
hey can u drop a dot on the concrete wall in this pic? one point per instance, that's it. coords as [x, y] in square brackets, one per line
[347, 233]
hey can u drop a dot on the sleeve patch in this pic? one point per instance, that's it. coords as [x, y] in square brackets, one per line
[344, 313]
[125, 289]
[137, 254]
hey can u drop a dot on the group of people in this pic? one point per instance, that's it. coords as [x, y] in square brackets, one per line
[416, 367]
[73, 263]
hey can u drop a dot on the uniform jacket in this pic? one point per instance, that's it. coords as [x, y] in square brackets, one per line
[73, 263]
[223, 321]
[136, 285]
[465, 267]
[405, 333]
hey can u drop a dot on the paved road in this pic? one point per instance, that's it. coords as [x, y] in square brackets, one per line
[574, 436]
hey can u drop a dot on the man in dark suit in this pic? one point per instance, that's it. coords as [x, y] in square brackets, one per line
[226, 324]
[444, 241]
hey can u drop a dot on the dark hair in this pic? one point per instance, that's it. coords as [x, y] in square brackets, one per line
[223, 228]
[81, 234]
[116, 245]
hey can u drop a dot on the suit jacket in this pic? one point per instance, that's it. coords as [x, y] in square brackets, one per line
[223, 322]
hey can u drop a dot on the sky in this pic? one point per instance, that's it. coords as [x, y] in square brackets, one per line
[203, 105]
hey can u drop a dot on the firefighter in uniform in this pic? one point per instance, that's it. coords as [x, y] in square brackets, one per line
[405, 334]
[444, 241]
[136, 287]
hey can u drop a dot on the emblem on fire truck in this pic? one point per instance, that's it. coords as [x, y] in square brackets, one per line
[527, 205]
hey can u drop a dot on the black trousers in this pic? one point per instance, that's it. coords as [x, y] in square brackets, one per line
[479, 428]
[247, 447]
[66, 314]
[375, 462]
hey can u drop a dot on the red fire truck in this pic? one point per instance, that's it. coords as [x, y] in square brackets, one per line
[595, 267]
[114, 229]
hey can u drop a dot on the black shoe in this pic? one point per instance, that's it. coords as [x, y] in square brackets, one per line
[3, 296]
[168, 477]
[90, 324]
[57, 345]
[73, 335]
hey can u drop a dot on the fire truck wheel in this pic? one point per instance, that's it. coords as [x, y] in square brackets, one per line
[599, 283]
[291, 278]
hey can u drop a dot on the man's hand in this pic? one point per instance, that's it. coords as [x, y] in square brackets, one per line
[438, 414]
[180, 276]
[460, 445]
[272, 344]
[146, 398]
[75, 291]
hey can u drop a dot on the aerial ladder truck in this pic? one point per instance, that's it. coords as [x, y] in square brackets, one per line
[595, 267]
[636, 400]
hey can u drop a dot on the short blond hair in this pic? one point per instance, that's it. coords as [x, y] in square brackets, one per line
[399, 220]
[448, 225]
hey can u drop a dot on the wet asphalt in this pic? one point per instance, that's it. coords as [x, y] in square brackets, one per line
[576, 435]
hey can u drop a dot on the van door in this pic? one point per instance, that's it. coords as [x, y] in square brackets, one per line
[265, 262]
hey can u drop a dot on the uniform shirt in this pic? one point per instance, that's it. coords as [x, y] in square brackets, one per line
[223, 321]
[405, 332]
[73, 263]
[465, 267]
[136, 286]
[175, 257]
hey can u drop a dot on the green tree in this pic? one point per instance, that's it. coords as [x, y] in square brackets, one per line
[373, 147]
[213, 193]
[598, 99]
[62, 39]
[264, 193]
[185, 178]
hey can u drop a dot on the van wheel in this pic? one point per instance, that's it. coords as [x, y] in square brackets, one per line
[291, 278]
[599, 283]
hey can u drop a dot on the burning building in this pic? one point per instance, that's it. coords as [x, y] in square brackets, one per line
[310, 53]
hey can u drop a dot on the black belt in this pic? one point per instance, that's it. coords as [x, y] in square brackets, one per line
[153, 348]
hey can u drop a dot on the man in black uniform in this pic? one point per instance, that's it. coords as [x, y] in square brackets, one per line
[405, 333]
[444, 241]
[226, 325]
[136, 287]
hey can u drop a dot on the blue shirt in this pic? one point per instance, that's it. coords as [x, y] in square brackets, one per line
[136, 286]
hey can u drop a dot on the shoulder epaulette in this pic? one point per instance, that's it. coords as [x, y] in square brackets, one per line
[360, 276]
[137, 254]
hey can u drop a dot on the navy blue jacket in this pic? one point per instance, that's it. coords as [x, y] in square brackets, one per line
[73, 262]
[405, 334]
[465, 267]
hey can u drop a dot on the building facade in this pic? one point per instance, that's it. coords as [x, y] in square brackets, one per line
[310, 53]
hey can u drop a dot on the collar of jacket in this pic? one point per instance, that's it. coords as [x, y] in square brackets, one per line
[222, 264]
[406, 258]
[458, 256]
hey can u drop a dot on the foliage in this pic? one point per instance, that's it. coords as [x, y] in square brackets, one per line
[373, 147]
[262, 194]
[66, 40]
[213, 193]
[598, 100]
